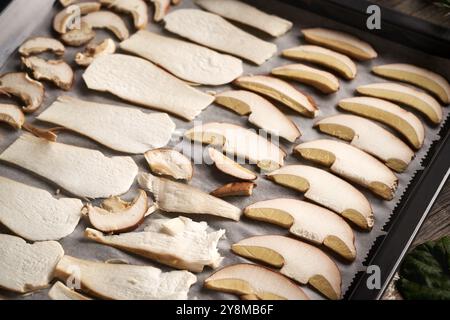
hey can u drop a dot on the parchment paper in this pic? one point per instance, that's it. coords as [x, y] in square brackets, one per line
[208, 178]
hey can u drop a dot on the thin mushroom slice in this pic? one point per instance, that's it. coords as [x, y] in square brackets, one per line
[169, 162]
[85, 58]
[82, 172]
[307, 221]
[178, 197]
[125, 282]
[166, 241]
[215, 32]
[66, 3]
[55, 71]
[246, 14]
[107, 20]
[351, 163]
[38, 45]
[12, 115]
[185, 60]
[256, 282]
[319, 79]
[61, 292]
[79, 36]
[297, 260]
[66, 19]
[261, 113]
[152, 86]
[341, 42]
[235, 189]
[137, 8]
[406, 123]
[399, 93]
[230, 167]
[369, 137]
[162, 7]
[423, 78]
[27, 267]
[341, 64]
[21, 86]
[240, 142]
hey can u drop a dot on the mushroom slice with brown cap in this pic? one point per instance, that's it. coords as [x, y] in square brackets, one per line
[169, 162]
[261, 113]
[119, 221]
[61, 292]
[230, 167]
[296, 260]
[307, 221]
[235, 189]
[162, 7]
[240, 142]
[369, 137]
[78, 37]
[406, 123]
[107, 20]
[281, 91]
[326, 189]
[38, 45]
[341, 42]
[64, 21]
[319, 79]
[255, 282]
[137, 8]
[423, 78]
[399, 93]
[55, 71]
[85, 58]
[12, 115]
[19, 85]
[343, 65]
[351, 163]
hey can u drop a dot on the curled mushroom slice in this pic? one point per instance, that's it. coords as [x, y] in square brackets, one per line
[161, 9]
[56, 71]
[351, 163]
[341, 42]
[137, 8]
[49, 135]
[326, 189]
[84, 59]
[296, 260]
[406, 123]
[254, 282]
[399, 93]
[369, 137]
[319, 79]
[41, 44]
[261, 113]
[240, 142]
[235, 189]
[61, 292]
[230, 167]
[169, 162]
[281, 91]
[12, 115]
[107, 20]
[64, 21]
[343, 65]
[19, 85]
[79, 36]
[307, 221]
[423, 78]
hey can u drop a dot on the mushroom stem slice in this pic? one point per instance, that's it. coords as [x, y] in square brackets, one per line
[230, 167]
[107, 20]
[415, 99]
[307, 221]
[324, 57]
[162, 7]
[19, 85]
[169, 162]
[85, 58]
[423, 78]
[66, 19]
[281, 91]
[12, 115]
[242, 189]
[78, 37]
[137, 8]
[56, 71]
[60, 292]
[297, 260]
[406, 123]
[38, 45]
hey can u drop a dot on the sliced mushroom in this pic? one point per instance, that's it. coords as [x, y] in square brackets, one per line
[79, 37]
[324, 57]
[423, 78]
[326, 189]
[240, 142]
[399, 93]
[119, 221]
[296, 260]
[64, 21]
[255, 282]
[60, 292]
[319, 79]
[47, 134]
[137, 8]
[369, 137]
[351, 163]
[85, 58]
[235, 189]
[307, 221]
[19, 85]
[169, 162]
[12, 115]
[230, 167]
[162, 7]
[107, 20]
[41, 44]
[406, 123]
[177, 197]
[55, 71]
[66, 3]
[261, 113]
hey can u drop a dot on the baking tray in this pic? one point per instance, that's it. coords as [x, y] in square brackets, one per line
[395, 224]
